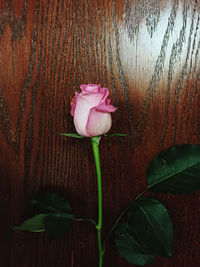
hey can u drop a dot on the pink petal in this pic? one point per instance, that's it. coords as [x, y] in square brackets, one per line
[108, 100]
[93, 99]
[106, 108]
[90, 87]
[105, 93]
[73, 104]
[98, 122]
[81, 114]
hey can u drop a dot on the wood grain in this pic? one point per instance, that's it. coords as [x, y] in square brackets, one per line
[147, 54]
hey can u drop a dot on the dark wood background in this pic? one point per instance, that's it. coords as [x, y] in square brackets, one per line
[147, 52]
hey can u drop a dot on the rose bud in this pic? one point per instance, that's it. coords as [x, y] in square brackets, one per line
[91, 110]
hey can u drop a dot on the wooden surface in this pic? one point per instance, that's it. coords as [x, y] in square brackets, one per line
[148, 54]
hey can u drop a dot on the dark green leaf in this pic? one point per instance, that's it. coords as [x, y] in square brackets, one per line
[175, 170]
[34, 224]
[57, 225]
[75, 135]
[147, 232]
[47, 202]
[59, 216]
[128, 247]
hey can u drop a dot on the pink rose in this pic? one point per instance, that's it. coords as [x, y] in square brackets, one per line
[91, 110]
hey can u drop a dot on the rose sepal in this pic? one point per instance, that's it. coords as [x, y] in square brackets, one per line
[75, 135]
[115, 134]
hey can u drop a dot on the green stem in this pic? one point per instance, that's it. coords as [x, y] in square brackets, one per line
[95, 147]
